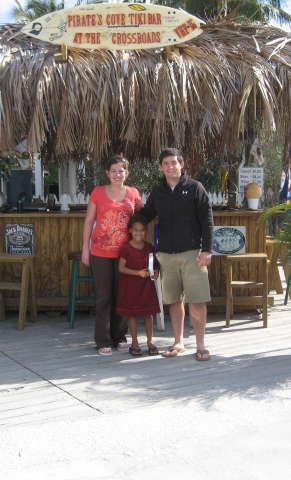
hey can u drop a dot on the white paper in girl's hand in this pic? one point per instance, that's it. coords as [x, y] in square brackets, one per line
[160, 316]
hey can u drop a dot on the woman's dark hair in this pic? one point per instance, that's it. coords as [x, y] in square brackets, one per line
[137, 218]
[117, 159]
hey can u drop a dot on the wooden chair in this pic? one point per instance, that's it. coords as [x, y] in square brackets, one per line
[75, 299]
[25, 286]
[261, 258]
[285, 263]
[274, 280]
[275, 261]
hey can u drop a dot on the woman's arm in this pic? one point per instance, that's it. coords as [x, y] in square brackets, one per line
[88, 225]
[129, 271]
[149, 210]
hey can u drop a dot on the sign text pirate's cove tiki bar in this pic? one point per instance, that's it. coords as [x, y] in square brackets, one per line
[115, 26]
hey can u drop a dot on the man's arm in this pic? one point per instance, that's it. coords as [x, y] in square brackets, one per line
[149, 211]
[204, 259]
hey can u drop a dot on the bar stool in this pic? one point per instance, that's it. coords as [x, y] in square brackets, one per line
[74, 299]
[274, 280]
[24, 286]
[254, 300]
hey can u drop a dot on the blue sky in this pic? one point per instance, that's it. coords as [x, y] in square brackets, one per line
[6, 6]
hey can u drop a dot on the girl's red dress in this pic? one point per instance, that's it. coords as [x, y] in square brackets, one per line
[137, 296]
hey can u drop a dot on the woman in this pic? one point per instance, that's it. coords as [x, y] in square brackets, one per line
[111, 206]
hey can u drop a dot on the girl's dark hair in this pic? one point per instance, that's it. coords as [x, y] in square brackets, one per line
[117, 159]
[137, 218]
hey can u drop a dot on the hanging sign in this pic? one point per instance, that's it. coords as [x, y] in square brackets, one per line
[115, 26]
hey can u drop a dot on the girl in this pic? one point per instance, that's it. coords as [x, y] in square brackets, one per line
[111, 206]
[137, 292]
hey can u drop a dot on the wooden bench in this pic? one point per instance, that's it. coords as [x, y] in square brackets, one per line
[261, 300]
[25, 286]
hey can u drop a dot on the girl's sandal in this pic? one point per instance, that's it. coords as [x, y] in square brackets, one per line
[153, 351]
[135, 352]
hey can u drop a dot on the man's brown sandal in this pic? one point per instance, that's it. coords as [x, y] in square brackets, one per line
[174, 351]
[201, 353]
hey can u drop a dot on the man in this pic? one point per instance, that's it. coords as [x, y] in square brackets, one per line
[185, 239]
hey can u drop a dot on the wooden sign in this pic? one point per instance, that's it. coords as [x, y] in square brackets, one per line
[19, 238]
[115, 26]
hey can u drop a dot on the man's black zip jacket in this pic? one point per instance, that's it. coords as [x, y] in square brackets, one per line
[185, 216]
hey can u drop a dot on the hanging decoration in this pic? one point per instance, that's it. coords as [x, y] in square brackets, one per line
[257, 152]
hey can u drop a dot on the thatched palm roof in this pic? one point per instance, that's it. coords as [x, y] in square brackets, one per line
[228, 80]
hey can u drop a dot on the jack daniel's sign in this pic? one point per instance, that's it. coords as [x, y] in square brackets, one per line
[19, 238]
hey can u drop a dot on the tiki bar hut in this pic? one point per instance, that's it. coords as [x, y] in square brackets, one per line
[207, 97]
[202, 96]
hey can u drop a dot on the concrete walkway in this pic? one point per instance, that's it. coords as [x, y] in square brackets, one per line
[67, 413]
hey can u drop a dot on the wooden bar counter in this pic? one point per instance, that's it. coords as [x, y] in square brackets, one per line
[56, 234]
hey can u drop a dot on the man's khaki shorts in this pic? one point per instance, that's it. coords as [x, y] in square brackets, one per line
[182, 279]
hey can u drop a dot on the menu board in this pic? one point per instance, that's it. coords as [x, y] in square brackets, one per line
[248, 175]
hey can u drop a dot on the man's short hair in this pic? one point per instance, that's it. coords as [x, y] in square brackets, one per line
[171, 152]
